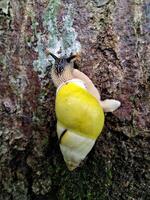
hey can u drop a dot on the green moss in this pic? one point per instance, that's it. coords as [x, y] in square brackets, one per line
[90, 181]
[41, 185]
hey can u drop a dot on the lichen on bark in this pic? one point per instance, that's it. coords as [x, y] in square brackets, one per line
[56, 40]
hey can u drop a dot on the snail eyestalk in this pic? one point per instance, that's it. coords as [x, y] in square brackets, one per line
[62, 69]
[55, 57]
[71, 58]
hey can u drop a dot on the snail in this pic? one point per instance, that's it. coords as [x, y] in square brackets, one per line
[79, 110]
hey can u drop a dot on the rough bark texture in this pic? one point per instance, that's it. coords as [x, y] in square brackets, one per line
[114, 41]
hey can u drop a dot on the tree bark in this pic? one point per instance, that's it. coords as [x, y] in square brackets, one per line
[113, 39]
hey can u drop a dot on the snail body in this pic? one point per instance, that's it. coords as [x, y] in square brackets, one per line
[79, 111]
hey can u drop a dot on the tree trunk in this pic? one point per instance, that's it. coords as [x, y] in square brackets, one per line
[113, 39]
